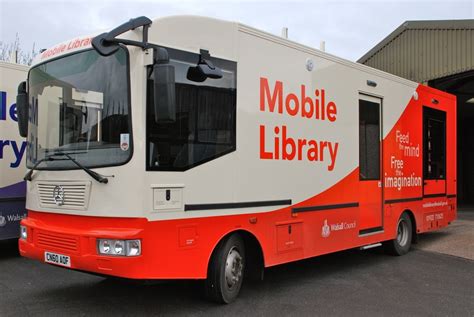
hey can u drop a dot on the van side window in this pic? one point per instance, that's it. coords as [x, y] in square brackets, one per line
[369, 140]
[434, 139]
[205, 118]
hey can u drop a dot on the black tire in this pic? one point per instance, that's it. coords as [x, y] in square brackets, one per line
[223, 286]
[402, 242]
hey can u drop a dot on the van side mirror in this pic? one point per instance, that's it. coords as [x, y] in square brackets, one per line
[22, 109]
[164, 88]
[204, 69]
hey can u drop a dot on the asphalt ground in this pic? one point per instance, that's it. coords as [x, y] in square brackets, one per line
[457, 239]
[349, 283]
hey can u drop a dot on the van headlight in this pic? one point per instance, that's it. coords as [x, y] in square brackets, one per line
[119, 247]
[133, 247]
[23, 232]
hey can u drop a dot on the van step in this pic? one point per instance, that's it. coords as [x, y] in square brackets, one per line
[370, 246]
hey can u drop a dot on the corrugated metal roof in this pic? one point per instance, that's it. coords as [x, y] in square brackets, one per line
[425, 50]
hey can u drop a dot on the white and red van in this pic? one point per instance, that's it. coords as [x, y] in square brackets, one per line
[195, 148]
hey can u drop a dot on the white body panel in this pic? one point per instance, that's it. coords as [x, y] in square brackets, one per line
[240, 176]
[12, 167]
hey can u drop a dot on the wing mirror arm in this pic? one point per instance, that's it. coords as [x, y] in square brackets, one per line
[107, 43]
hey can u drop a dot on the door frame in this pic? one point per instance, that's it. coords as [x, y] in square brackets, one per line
[378, 99]
[444, 149]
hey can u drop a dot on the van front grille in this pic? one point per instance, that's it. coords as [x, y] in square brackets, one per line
[56, 241]
[64, 195]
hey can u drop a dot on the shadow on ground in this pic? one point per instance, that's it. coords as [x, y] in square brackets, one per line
[9, 249]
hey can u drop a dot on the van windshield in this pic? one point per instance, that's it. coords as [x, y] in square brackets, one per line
[79, 105]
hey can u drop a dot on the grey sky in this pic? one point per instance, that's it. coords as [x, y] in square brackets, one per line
[350, 28]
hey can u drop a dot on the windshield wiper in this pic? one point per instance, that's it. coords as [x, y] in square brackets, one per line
[100, 178]
[29, 175]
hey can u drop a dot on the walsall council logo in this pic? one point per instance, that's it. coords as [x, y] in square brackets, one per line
[58, 195]
[3, 221]
[325, 230]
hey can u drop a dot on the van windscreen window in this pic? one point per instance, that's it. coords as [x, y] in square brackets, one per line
[79, 105]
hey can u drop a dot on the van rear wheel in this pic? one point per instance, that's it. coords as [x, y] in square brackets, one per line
[402, 242]
[226, 270]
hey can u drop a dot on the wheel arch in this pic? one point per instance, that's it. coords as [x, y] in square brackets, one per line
[411, 214]
[255, 259]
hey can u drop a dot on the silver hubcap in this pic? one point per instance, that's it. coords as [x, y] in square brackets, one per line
[402, 232]
[233, 267]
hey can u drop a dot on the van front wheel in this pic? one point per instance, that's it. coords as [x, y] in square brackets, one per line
[226, 270]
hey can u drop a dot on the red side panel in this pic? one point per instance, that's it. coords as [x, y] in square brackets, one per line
[402, 151]
[370, 204]
[433, 202]
[434, 187]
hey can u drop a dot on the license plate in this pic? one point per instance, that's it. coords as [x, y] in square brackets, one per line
[58, 259]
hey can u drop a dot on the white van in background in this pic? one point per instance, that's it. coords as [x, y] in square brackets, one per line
[12, 152]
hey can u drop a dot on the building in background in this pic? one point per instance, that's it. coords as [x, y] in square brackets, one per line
[439, 54]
